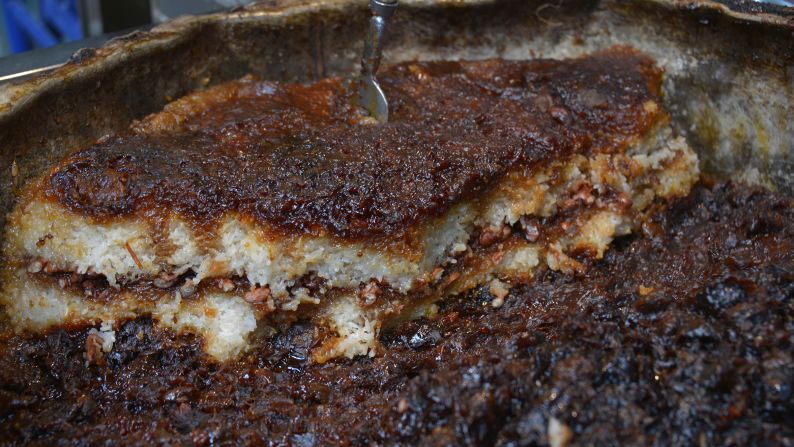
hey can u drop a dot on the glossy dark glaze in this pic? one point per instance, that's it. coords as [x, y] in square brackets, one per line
[294, 158]
[702, 353]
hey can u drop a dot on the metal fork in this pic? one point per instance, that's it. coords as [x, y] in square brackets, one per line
[370, 95]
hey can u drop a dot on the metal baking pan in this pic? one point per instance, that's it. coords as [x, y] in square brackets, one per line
[729, 80]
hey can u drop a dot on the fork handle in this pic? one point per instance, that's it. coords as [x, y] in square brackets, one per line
[381, 11]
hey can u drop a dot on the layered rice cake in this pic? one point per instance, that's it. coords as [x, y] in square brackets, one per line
[241, 209]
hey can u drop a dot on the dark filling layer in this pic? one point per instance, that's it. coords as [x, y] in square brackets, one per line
[289, 156]
[681, 335]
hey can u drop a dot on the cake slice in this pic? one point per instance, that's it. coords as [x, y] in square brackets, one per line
[240, 209]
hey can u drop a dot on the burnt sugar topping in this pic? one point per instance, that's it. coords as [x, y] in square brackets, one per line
[300, 159]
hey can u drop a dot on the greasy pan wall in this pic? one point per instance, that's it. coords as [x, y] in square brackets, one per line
[729, 73]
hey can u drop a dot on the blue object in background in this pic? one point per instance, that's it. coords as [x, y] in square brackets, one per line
[62, 16]
[58, 22]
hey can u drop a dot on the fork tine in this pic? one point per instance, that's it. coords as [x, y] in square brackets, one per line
[370, 94]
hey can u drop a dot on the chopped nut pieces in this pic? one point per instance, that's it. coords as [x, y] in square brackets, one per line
[257, 295]
[491, 235]
[435, 275]
[530, 228]
[499, 290]
[369, 294]
[165, 280]
[225, 284]
[93, 350]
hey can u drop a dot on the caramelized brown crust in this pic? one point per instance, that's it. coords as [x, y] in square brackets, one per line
[296, 157]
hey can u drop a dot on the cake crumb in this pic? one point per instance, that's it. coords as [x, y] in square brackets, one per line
[499, 290]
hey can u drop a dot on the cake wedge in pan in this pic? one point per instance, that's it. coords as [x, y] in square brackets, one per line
[241, 209]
